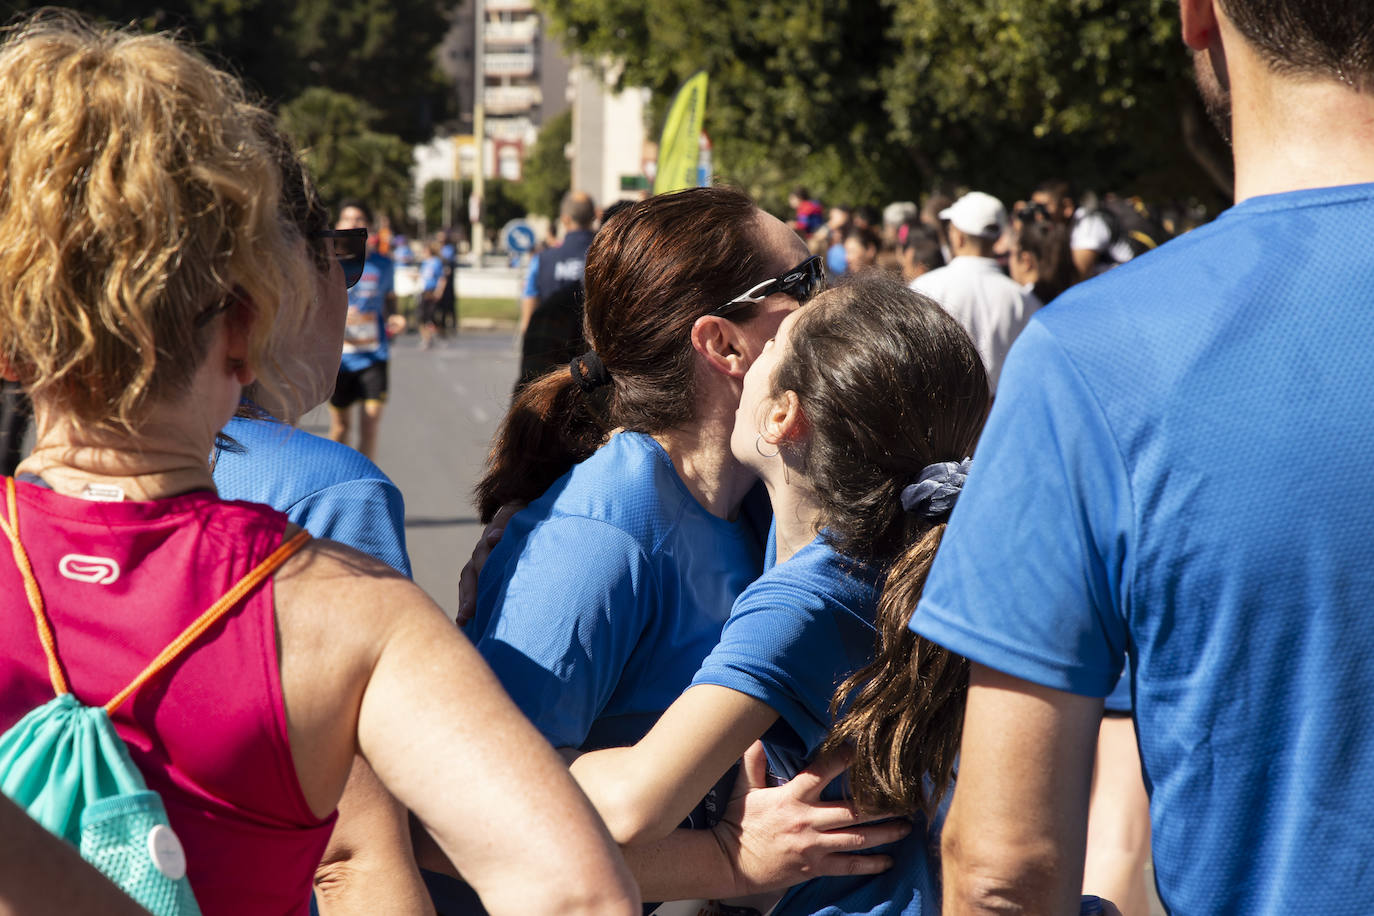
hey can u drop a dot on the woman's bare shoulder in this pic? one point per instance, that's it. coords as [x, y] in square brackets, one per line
[331, 585]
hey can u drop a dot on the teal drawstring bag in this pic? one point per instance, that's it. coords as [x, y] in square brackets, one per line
[65, 764]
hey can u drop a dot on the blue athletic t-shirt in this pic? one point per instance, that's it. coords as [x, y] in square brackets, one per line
[324, 486]
[531, 290]
[605, 594]
[365, 340]
[1178, 465]
[431, 269]
[792, 638]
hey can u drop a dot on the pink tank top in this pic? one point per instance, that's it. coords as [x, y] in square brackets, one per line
[121, 581]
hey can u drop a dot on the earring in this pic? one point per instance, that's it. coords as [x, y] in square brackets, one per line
[758, 447]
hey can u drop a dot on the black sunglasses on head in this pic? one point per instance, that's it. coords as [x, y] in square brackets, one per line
[801, 283]
[348, 247]
[1033, 213]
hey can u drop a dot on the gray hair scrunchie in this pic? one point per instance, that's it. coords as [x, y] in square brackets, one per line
[936, 489]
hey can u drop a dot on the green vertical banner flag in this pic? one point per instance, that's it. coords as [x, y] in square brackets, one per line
[679, 147]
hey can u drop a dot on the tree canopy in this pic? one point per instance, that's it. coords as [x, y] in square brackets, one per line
[380, 51]
[346, 157]
[547, 175]
[875, 100]
[499, 204]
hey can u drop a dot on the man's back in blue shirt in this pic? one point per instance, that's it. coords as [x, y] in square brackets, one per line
[1178, 465]
[325, 487]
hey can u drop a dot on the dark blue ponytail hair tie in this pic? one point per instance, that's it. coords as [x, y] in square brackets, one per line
[936, 489]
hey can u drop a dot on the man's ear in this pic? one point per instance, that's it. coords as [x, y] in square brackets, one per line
[718, 340]
[1199, 23]
[7, 371]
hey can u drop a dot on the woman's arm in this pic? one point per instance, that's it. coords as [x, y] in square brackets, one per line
[769, 839]
[369, 663]
[369, 865]
[644, 791]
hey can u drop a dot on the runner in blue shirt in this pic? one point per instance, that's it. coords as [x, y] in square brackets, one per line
[371, 317]
[336, 493]
[609, 589]
[606, 593]
[1177, 470]
[435, 277]
[857, 418]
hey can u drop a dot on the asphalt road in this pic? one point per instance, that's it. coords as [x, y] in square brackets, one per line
[441, 413]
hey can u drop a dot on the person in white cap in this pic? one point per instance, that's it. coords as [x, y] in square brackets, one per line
[991, 306]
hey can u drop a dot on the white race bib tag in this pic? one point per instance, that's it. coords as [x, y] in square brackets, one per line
[103, 493]
[686, 908]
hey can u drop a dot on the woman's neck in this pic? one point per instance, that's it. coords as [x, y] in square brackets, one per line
[158, 462]
[796, 514]
[701, 456]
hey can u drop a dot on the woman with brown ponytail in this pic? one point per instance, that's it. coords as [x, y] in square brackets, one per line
[610, 587]
[858, 417]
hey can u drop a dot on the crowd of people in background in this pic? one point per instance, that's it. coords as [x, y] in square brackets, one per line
[1100, 233]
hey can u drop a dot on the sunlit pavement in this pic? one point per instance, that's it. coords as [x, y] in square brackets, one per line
[441, 413]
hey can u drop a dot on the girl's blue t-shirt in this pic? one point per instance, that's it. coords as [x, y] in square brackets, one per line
[605, 594]
[792, 638]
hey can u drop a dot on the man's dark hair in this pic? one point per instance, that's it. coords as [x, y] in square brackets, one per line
[1332, 39]
[866, 236]
[357, 205]
[923, 244]
[1058, 188]
[869, 215]
[300, 201]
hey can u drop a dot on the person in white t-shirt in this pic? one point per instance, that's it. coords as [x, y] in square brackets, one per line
[991, 306]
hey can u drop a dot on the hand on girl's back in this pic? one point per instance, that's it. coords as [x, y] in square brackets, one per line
[778, 837]
[467, 579]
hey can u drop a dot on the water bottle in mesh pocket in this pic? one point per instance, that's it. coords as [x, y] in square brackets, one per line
[127, 837]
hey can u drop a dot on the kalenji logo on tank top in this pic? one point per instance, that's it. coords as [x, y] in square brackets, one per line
[98, 570]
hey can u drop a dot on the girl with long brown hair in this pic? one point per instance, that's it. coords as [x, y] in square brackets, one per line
[859, 418]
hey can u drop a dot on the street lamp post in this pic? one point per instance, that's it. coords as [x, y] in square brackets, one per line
[479, 130]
